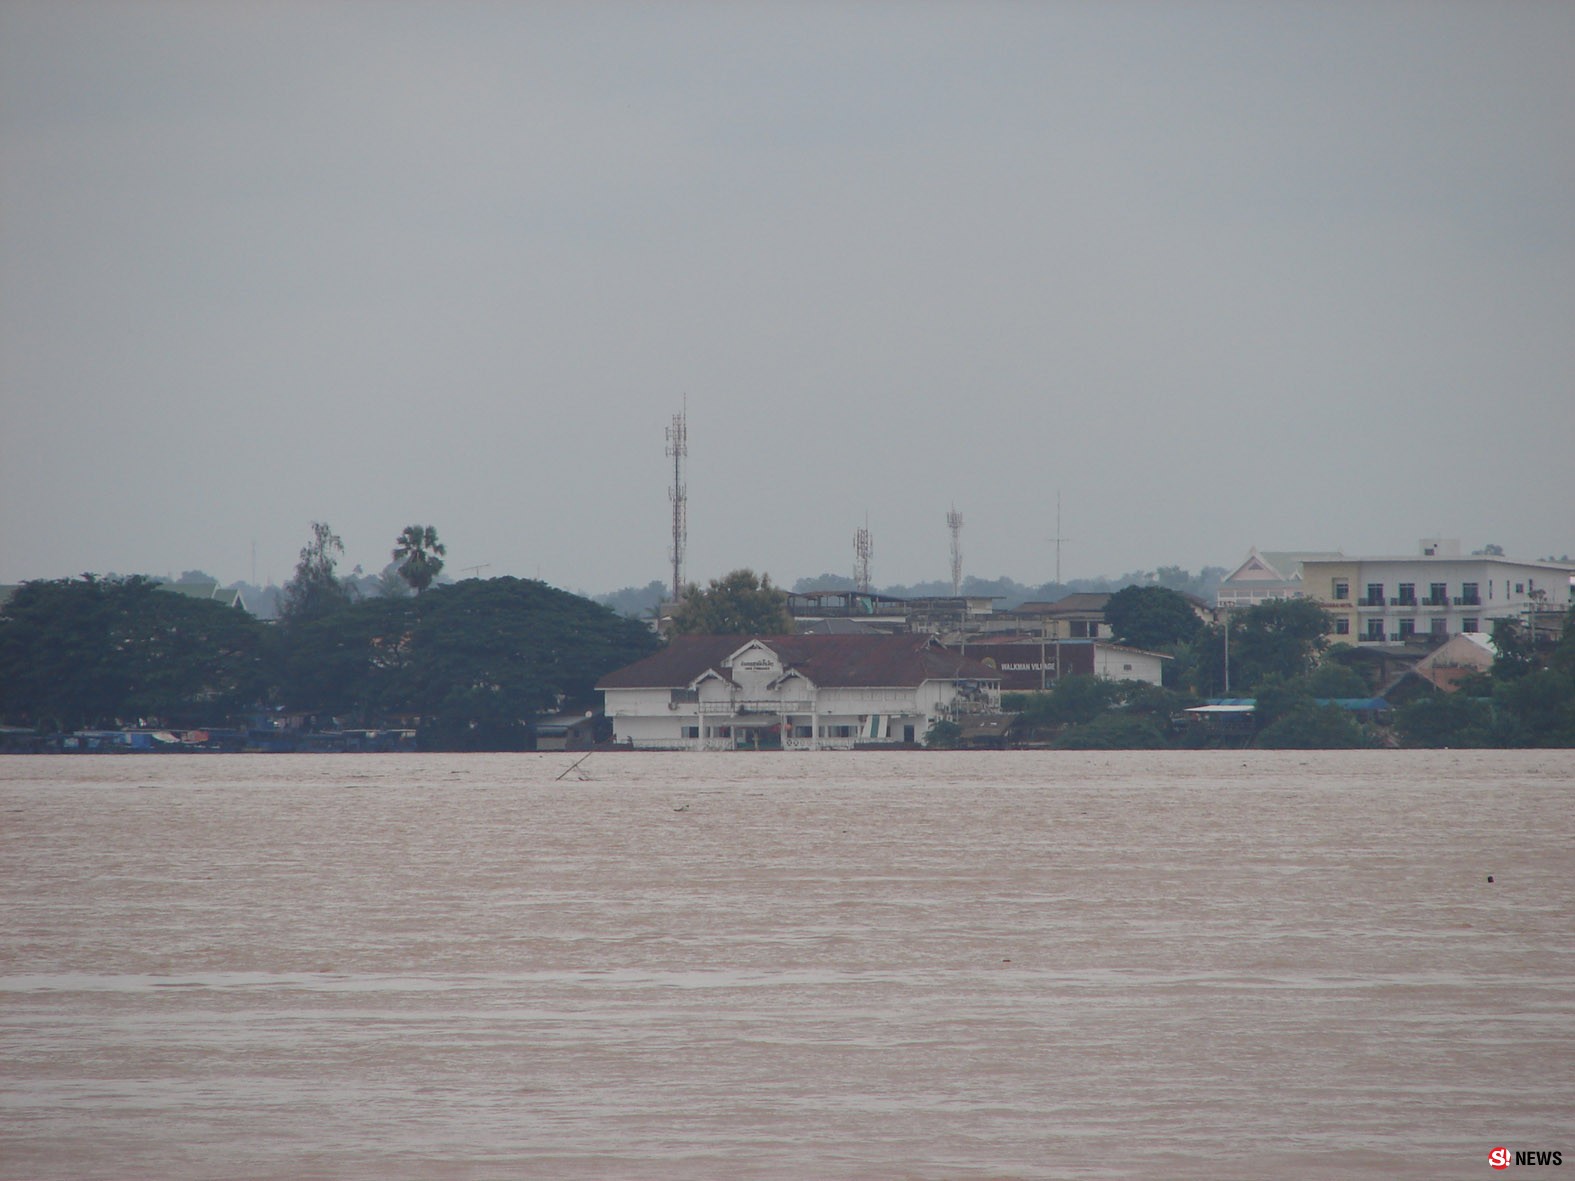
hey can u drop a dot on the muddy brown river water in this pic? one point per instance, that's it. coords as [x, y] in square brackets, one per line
[816, 965]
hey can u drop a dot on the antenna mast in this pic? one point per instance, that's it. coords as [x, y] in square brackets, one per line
[863, 549]
[954, 523]
[678, 450]
[1058, 539]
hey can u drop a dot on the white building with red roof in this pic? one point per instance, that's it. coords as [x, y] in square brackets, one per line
[808, 691]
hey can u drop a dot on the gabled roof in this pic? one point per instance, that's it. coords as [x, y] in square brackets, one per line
[229, 596]
[825, 660]
[1472, 650]
[1278, 565]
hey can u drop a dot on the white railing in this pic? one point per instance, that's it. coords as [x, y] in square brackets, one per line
[769, 705]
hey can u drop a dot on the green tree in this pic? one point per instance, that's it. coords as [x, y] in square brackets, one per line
[1332, 680]
[101, 652]
[1515, 654]
[316, 589]
[1281, 637]
[943, 735]
[1161, 704]
[420, 556]
[350, 664]
[1277, 697]
[1445, 720]
[477, 661]
[390, 584]
[1071, 701]
[1562, 659]
[1151, 617]
[1113, 731]
[1313, 727]
[1536, 708]
[739, 604]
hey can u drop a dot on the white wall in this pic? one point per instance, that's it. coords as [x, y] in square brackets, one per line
[643, 717]
[1119, 664]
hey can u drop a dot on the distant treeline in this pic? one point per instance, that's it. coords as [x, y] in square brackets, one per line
[641, 601]
[472, 663]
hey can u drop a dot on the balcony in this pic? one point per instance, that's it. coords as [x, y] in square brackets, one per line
[1403, 601]
[1370, 602]
[1468, 600]
[1436, 601]
[769, 707]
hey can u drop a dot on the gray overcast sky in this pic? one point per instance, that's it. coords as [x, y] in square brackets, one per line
[1296, 275]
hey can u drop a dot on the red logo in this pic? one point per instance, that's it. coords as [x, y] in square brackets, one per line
[1499, 1158]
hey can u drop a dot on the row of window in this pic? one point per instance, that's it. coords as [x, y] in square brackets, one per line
[1375, 628]
[1437, 594]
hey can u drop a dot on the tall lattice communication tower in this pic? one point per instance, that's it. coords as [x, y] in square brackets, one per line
[1058, 539]
[863, 550]
[678, 451]
[954, 523]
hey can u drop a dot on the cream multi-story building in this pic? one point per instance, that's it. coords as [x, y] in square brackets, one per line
[1436, 593]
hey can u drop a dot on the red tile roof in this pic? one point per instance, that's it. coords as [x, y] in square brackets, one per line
[827, 660]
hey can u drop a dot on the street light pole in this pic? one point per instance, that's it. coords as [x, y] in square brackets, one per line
[1227, 651]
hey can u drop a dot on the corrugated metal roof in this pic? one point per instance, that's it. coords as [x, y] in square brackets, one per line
[1079, 601]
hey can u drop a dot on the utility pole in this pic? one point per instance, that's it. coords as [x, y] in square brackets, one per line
[954, 522]
[1227, 651]
[1058, 539]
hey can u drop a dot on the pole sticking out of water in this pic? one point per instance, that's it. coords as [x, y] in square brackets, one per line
[576, 763]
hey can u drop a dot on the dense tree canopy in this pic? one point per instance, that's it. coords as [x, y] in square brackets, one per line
[1314, 727]
[475, 660]
[1280, 637]
[739, 604]
[100, 652]
[1151, 617]
[472, 664]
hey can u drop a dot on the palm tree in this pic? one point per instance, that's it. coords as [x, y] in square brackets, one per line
[420, 556]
